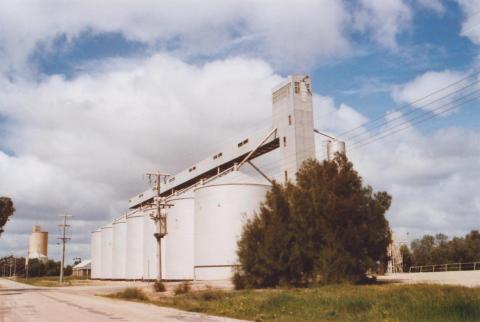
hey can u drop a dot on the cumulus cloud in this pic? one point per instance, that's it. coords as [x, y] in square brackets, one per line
[383, 19]
[471, 23]
[434, 5]
[430, 177]
[287, 34]
[437, 92]
[336, 119]
[81, 145]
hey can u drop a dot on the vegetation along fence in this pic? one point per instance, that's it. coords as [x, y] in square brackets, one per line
[472, 266]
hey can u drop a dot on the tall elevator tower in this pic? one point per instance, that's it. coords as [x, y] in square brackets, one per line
[293, 117]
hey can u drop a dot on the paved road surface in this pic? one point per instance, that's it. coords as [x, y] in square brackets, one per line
[24, 303]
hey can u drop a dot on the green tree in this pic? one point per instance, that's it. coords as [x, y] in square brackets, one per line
[407, 257]
[269, 250]
[6, 210]
[346, 220]
[438, 250]
[328, 226]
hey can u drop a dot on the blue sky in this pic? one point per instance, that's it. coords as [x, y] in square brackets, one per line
[93, 95]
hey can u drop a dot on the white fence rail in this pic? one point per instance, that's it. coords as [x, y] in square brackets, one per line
[472, 266]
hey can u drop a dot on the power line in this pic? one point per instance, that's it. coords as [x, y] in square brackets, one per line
[416, 110]
[366, 124]
[409, 124]
[439, 108]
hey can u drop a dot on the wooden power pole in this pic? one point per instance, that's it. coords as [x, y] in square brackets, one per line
[63, 239]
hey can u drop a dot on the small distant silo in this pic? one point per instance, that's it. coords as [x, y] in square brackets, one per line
[96, 253]
[38, 244]
[119, 248]
[222, 207]
[180, 238]
[107, 251]
[332, 147]
[134, 267]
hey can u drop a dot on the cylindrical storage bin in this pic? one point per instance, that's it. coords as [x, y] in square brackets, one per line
[150, 248]
[119, 248]
[222, 207]
[134, 267]
[333, 147]
[96, 254]
[38, 244]
[180, 237]
[107, 251]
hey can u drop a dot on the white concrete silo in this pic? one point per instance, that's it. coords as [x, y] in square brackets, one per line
[332, 147]
[107, 251]
[96, 253]
[134, 259]
[38, 244]
[222, 207]
[119, 248]
[180, 238]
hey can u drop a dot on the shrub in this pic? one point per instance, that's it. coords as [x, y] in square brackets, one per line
[328, 224]
[209, 295]
[182, 288]
[131, 293]
[159, 286]
[239, 280]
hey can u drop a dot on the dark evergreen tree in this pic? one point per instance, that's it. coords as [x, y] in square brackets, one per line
[347, 233]
[327, 227]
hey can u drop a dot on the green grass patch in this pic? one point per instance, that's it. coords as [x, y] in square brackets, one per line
[388, 302]
[52, 281]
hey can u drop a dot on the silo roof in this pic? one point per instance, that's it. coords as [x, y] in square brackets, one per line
[238, 177]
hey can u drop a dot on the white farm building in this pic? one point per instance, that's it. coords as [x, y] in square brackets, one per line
[205, 206]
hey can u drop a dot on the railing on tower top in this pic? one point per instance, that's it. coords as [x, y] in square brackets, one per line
[471, 266]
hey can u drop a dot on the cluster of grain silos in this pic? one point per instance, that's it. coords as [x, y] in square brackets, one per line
[208, 203]
[203, 226]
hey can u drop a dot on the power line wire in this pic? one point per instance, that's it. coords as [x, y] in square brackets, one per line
[366, 124]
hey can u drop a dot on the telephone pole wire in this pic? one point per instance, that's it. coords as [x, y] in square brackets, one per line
[63, 239]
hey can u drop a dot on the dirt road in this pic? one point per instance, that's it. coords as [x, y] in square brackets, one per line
[24, 303]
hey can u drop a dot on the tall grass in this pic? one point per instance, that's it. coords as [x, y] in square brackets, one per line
[131, 294]
[338, 303]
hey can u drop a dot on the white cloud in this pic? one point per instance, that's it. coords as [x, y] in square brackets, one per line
[385, 20]
[81, 145]
[432, 178]
[292, 35]
[434, 5]
[471, 23]
[336, 119]
[429, 91]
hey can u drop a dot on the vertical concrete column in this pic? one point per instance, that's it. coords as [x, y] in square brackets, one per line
[293, 117]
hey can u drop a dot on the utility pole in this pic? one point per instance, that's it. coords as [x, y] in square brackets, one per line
[11, 264]
[159, 216]
[63, 239]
